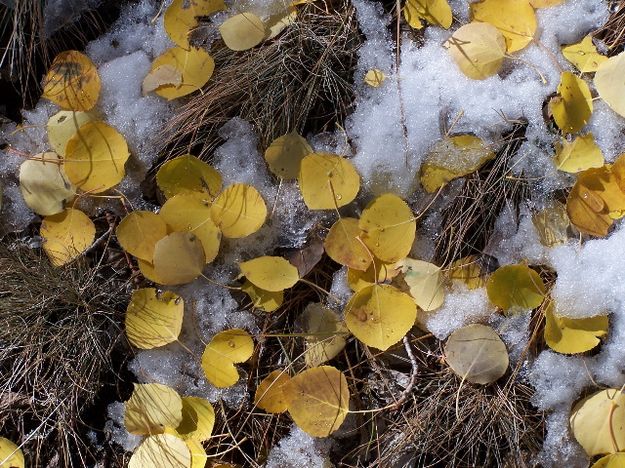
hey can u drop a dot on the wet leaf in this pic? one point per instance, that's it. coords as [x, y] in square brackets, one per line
[327, 181]
[11, 455]
[609, 83]
[375, 77]
[342, 246]
[161, 451]
[584, 55]
[514, 18]
[578, 155]
[468, 271]
[267, 301]
[195, 65]
[227, 348]
[552, 224]
[198, 419]
[478, 49]
[435, 12]
[63, 125]
[326, 332]
[165, 75]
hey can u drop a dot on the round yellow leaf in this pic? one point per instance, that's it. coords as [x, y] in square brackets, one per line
[380, 315]
[139, 232]
[153, 318]
[514, 18]
[327, 181]
[435, 12]
[597, 422]
[44, 185]
[239, 211]
[151, 408]
[187, 173]
[178, 258]
[161, 451]
[584, 55]
[375, 77]
[609, 83]
[284, 155]
[318, 400]
[72, 82]
[425, 282]
[11, 455]
[378, 272]
[243, 31]
[388, 227]
[515, 287]
[95, 157]
[477, 354]
[66, 235]
[579, 155]
[191, 211]
[342, 246]
[225, 349]
[199, 458]
[614, 460]
[572, 107]
[198, 419]
[195, 65]
[63, 125]
[270, 273]
[570, 336]
[478, 49]
[147, 270]
[269, 395]
[267, 301]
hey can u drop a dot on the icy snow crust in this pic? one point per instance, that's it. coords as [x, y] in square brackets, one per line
[434, 97]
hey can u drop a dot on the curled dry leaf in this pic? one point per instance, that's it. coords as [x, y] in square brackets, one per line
[270, 273]
[307, 257]
[327, 181]
[65, 124]
[43, 184]
[72, 82]
[139, 232]
[239, 211]
[514, 18]
[151, 408]
[478, 49]
[269, 394]
[66, 235]
[227, 348]
[380, 315]
[318, 400]
[178, 258]
[515, 287]
[477, 354]
[388, 227]
[153, 318]
[187, 173]
[596, 422]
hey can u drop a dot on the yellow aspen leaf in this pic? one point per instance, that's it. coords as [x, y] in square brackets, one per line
[270, 273]
[552, 224]
[596, 422]
[326, 334]
[318, 400]
[342, 246]
[199, 457]
[153, 318]
[277, 23]
[375, 77]
[198, 419]
[151, 408]
[584, 55]
[187, 173]
[165, 75]
[572, 107]
[243, 31]
[514, 18]
[65, 124]
[570, 336]
[545, 3]
[147, 270]
[267, 301]
[467, 270]
[66, 235]
[578, 155]
[95, 157]
[180, 18]
[378, 272]
[72, 82]
[478, 49]
[227, 348]
[195, 65]
[595, 201]
[239, 211]
[178, 258]
[425, 282]
[139, 232]
[453, 157]
[269, 395]
[43, 184]
[284, 155]
[513, 287]
[609, 83]
[614, 460]
[161, 451]
[191, 211]
[11, 455]
[380, 315]
[434, 12]
[327, 181]
[388, 227]
[477, 354]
